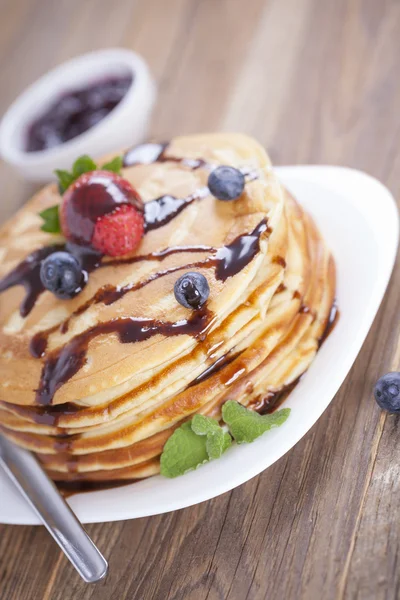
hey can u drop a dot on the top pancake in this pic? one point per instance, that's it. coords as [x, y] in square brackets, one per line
[110, 368]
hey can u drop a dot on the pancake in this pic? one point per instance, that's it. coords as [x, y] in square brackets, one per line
[96, 385]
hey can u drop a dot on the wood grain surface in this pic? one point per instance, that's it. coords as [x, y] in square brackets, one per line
[316, 81]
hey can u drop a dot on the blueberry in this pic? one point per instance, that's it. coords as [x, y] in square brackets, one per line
[192, 290]
[61, 273]
[387, 392]
[226, 183]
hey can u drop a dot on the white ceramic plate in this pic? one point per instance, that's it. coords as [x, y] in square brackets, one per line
[358, 217]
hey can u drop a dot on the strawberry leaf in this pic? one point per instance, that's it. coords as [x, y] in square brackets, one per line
[83, 164]
[65, 178]
[51, 220]
[114, 165]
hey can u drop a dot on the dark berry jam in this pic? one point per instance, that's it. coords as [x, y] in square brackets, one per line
[76, 112]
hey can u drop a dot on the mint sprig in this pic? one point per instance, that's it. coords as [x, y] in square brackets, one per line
[51, 220]
[246, 425]
[202, 439]
[85, 164]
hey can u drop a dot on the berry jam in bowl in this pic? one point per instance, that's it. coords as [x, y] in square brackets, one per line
[93, 104]
[75, 112]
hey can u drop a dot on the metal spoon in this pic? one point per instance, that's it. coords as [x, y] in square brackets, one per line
[41, 493]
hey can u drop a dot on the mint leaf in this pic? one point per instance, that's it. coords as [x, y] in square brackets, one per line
[183, 452]
[202, 425]
[65, 178]
[217, 440]
[246, 425]
[114, 165]
[83, 164]
[51, 220]
[217, 443]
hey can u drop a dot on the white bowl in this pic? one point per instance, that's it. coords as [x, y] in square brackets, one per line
[358, 217]
[124, 126]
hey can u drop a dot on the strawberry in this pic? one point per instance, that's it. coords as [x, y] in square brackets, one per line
[90, 198]
[119, 232]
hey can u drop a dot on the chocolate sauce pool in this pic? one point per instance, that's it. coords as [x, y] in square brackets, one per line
[70, 488]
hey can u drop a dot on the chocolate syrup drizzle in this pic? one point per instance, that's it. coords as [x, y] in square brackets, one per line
[146, 154]
[219, 364]
[61, 365]
[106, 295]
[333, 318]
[158, 212]
[162, 210]
[27, 273]
[43, 415]
[228, 261]
[232, 258]
[269, 402]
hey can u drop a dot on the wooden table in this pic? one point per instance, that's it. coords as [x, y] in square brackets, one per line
[316, 81]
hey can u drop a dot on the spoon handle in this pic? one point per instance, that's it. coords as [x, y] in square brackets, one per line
[42, 495]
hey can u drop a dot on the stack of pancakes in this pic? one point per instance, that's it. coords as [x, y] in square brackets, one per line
[272, 287]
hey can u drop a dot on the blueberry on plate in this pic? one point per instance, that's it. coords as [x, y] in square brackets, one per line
[387, 392]
[61, 274]
[226, 183]
[192, 290]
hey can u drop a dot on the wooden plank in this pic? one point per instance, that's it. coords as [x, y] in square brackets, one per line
[315, 81]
